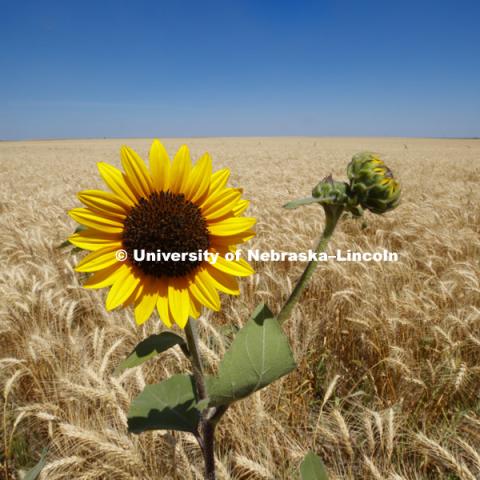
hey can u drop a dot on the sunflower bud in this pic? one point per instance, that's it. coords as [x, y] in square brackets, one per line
[326, 192]
[372, 183]
[330, 191]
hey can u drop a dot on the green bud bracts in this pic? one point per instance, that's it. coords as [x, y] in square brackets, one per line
[330, 191]
[372, 183]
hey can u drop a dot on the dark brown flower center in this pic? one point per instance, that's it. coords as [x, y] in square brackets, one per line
[165, 222]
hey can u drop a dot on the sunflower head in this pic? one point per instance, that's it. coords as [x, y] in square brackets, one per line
[160, 235]
[372, 183]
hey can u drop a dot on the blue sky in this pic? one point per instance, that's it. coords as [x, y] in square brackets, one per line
[226, 68]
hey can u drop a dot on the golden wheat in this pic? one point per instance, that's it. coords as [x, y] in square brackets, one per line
[388, 353]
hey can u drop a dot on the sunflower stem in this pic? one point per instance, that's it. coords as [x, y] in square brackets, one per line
[194, 350]
[332, 215]
[207, 441]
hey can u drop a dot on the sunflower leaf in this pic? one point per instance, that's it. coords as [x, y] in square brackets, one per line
[312, 468]
[301, 201]
[259, 355]
[168, 405]
[34, 472]
[151, 346]
[308, 200]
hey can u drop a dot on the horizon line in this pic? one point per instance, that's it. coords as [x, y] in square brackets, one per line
[172, 137]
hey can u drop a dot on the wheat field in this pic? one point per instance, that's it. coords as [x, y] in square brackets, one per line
[387, 385]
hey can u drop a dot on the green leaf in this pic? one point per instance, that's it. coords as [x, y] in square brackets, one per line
[151, 346]
[33, 473]
[168, 405]
[312, 468]
[259, 355]
[308, 200]
[301, 201]
[80, 228]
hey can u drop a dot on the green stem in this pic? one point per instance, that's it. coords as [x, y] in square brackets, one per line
[192, 341]
[207, 442]
[332, 215]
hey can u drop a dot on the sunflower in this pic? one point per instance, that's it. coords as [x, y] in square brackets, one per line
[169, 207]
[373, 183]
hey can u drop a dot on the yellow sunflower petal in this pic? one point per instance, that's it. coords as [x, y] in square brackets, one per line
[147, 301]
[181, 168]
[162, 303]
[94, 240]
[104, 202]
[136, 172]
[217, 198]
[199, 181]
[96, 221]
[239, 268]
[195, 307]
[227, 241]
[231, 226]
[115, 180]
[97, 260]
[105, 278]
[159, 167]
[222, 206]
[134, 296]
[219, 180]
[242, 263]
[203, 290]
[222, 281]
[240, 207]
[123, 287]
[179, 300]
